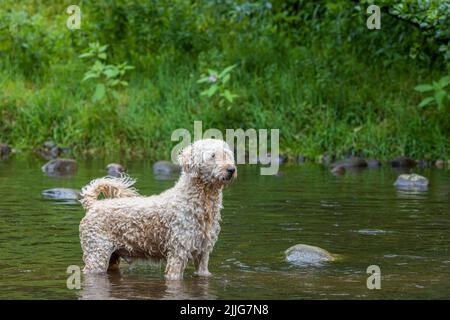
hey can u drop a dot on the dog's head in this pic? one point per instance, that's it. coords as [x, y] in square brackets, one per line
[209, 160]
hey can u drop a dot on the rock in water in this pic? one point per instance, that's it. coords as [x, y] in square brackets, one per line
[61, 194]
[282, 159]
[305, 255]
[324, 159]
[338, 171]
[422, 163]
[301, 159]
[49, 150]
[402, 162]
[60, 167]
[353, 162]
[4, 149]
[439, 164]
[373, 163]
[165, 168]
[115, 169]
[411, 181]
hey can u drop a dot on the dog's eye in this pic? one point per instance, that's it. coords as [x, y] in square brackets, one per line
[213, 155]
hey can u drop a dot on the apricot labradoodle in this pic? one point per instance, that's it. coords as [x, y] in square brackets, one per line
[180, 224]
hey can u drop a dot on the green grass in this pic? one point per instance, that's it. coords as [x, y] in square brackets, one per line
[317, 107]
[332, 87]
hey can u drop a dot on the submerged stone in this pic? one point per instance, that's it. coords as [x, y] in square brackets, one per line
[4, 149]
[402, 162]
[165, 168]
[301, 159]
[338, 171]
[440, 164]
[304, 255]
[352, 162]
[411, 181]
[371, 232]
[61, 194]
[60, 167]
[115, 169]
[373, 163]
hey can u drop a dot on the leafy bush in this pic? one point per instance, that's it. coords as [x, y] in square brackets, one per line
[109, 77]
[440, 95]
[310, 68]
[218, 85]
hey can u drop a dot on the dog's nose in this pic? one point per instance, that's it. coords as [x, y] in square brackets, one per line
[231, 171]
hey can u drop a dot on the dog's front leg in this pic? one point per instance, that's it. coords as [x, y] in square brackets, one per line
[175, 267]
[201, 264]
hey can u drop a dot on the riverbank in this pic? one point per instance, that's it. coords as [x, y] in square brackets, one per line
[330, 86]
[342, 112]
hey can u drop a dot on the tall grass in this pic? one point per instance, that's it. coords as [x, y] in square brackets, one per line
[326, 94]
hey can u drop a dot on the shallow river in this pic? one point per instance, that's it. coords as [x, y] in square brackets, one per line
[360, 216]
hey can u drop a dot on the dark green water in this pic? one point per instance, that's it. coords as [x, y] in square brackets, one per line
[360, 216]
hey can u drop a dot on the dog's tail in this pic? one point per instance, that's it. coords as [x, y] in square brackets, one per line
[110, 187]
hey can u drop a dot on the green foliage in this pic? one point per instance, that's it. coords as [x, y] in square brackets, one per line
[310, 68]
[109, 77]
[218, 85]
[29, 42]
[438, 89]
[431, 16]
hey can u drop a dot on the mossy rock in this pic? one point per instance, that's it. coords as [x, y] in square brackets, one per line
[411, 181]
[306, 255]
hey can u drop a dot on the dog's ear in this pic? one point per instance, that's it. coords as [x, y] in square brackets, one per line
[186, 159]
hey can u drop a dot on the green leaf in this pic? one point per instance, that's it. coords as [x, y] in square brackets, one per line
[227, 95]
[203, 80]
[440, 96]
[226, 78]
[211, 91]
[424, 87]
[98, 66]
[102, 56]
[115, 94]
[227, 70]
[90, 75]
[445, 81]
[113, 83]
[86, 55]
[111, 72]
[99, 93]
[426, 102]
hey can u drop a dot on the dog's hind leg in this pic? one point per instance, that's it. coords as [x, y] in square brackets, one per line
[175, 267]
[97, 257]
[201, 264]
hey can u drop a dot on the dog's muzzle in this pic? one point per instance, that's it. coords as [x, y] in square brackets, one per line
[231, 172]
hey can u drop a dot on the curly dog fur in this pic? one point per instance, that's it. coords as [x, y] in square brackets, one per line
[178, 225]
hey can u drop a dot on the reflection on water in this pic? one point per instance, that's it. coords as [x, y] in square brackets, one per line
[117, 286]
[360, 216]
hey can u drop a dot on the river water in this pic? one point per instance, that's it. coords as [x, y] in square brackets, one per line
[360, 216]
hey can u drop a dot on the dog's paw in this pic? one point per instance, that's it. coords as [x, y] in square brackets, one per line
[202, 274]
[172, 276]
